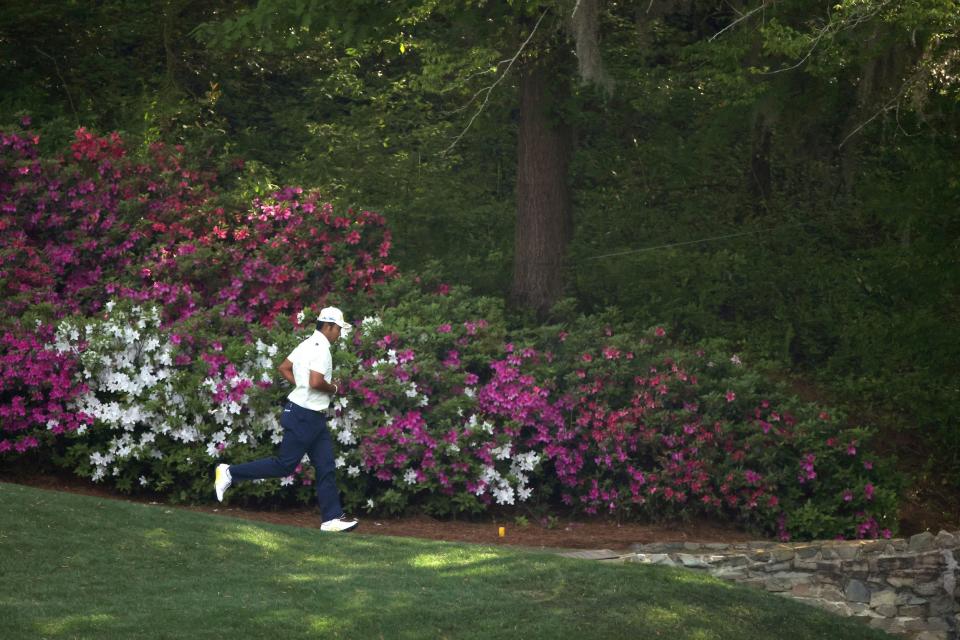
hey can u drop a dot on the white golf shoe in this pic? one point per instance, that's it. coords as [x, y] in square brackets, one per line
[343, 523]
[222, 480]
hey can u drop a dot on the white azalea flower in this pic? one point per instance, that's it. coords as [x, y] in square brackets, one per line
[504, 494]
[501, 453]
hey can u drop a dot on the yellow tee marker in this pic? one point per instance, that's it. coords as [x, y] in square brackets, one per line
[502, 532]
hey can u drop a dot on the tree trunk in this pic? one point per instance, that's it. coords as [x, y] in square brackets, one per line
[544, 220]
[760, 185]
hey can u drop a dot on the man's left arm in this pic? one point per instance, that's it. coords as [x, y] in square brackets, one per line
[318, 382]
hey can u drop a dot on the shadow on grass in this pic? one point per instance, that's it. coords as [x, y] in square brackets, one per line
[80, 567]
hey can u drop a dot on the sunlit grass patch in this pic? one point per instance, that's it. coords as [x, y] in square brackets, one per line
[72, 623]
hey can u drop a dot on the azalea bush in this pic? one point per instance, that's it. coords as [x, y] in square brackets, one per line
[39, 388]
[97, 223]
[415, 431]
[159, 415]
[148, 365]
[76, 225]
[659, 429]
[454, 415]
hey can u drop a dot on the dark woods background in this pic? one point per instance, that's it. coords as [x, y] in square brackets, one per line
[782, 175]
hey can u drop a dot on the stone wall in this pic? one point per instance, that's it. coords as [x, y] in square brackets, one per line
[905, 587]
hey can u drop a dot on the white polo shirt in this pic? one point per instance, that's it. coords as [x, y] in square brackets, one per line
[313, 354]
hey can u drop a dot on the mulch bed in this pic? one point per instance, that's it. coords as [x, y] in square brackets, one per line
[562, 534]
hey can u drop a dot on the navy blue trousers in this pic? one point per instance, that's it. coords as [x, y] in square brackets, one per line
[304, 432]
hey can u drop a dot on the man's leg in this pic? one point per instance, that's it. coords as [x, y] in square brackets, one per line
[295, 421]
[321, 455]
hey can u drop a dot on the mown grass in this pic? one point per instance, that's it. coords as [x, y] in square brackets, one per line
[80, 567]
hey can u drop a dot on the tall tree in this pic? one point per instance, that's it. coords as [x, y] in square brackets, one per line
[536, 36]
[544, 224]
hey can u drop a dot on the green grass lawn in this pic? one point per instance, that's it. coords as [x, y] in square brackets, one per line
[79, 567]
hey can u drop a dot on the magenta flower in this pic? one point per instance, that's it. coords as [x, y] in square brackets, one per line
[807, 471]
[452, 360]
[731, 396]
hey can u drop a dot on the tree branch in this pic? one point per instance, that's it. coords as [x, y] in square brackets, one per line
[62, 82]
[488, 90]
[855, 20]
[737, 21]
[883, 109]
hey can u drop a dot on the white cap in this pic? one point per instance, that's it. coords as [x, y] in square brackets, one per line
[334, 315]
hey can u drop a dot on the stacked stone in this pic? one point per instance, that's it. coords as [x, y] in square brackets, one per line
[905, 587]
